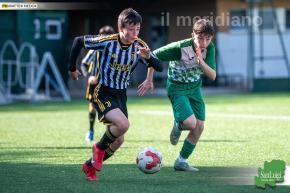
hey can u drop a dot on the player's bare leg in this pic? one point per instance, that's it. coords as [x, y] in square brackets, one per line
[194, 134]
[195, 128]
[113, 137]
[188, 124]
[120, 125]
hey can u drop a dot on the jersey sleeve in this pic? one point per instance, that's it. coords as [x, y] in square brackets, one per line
[93, 42]
[143, 61]
[169, 52]
[141, 43]
[210, 56]
[89, 58]
[153, 61]
[88, 62]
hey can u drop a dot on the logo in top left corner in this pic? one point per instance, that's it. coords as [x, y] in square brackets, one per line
[7, 5]
[4, 5]
[15, 6]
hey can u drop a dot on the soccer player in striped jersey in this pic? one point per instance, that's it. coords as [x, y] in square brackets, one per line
[118, 56]
[87, 64]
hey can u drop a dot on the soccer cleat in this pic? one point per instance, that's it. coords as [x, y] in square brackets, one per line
[90, 136]
[90, 172]
[175, 133]
[98, 157]
[184, 166]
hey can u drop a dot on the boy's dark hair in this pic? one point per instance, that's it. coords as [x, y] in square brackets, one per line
[204, 27]
[106, 30]
[128, 16]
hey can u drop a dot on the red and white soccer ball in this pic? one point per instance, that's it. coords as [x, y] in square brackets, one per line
[149, 160]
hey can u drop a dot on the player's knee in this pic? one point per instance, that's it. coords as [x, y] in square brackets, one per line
[192, 127]
[124, 126]
[189, 124]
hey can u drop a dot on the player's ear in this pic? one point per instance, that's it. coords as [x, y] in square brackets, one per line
[120, 29]
[192, 35]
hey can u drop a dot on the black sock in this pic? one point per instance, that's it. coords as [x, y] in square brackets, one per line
[92, 117]
[107, 139]
[89, 162]
[108, 153]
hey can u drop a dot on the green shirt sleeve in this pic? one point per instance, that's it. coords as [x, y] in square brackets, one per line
[169, 52]
[210, 56]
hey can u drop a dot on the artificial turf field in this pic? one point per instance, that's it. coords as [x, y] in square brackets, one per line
[42, 146]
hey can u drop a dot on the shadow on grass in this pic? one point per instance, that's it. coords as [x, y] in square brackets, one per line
[74, 105]
[28, 177]
[221, 141]
[30, 148]
[180, 141]
[128, 140]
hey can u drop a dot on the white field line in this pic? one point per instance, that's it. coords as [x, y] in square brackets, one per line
[220, 115]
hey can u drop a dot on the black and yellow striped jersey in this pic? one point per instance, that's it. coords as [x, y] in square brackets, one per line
[88, 62]
[114, 60]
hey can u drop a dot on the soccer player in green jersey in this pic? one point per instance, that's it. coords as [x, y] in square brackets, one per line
[188, 60]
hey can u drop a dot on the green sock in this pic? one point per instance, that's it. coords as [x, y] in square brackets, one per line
[187, 149]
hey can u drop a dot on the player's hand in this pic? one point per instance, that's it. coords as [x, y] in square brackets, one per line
[145, 87]
[92, 80]
[143, 52]
[199, 56]
[75, 75]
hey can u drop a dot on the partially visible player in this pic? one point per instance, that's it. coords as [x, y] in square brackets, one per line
[188, 60]
[87, 65]
[119, 55]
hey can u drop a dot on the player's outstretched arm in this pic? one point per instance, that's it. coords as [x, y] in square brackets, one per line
[154, 62]
[151, 59]
[75, 50]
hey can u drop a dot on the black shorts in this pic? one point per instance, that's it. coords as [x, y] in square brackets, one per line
[89, 91]
[106, 99]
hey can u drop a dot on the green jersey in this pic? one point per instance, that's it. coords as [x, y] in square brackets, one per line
[183, 66]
